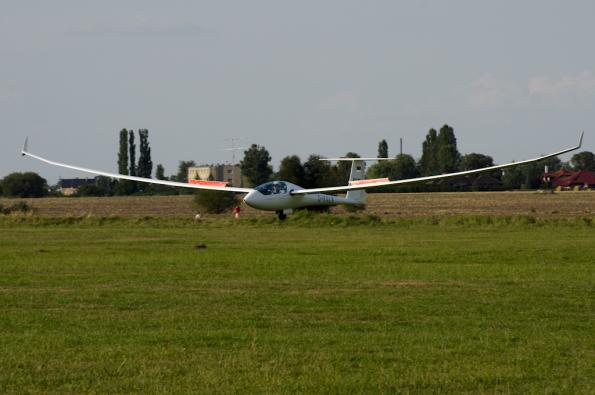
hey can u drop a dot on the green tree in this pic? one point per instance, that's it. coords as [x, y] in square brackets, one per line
[428, 163]
[124, 187]
[318, 173]
[107, 184]
[24, 185]
[255, 165]
[475, 161]
[529, 176]
[145, 164]
[291, 170]
[383, 149]
[401, 168]
[157, 189]
[91, 190]
[447, 154]
[343, 169]
[160, 172]
[513, 177]
[583, 161]
[379, 170]
[183, 166]
[123, 153]
[182, 176]
[533, 172]
[131, 154]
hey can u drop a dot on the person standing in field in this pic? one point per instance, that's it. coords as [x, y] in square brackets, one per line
[236, 212]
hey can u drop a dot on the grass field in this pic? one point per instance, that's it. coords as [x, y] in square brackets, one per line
[155, 305]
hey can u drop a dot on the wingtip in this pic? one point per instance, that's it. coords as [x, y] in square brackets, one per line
[25, 146]
[580, 142]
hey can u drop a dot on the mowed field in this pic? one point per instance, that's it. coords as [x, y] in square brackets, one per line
[540, 205]
[159, 303]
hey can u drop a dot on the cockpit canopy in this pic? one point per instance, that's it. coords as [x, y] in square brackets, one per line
[272, 188]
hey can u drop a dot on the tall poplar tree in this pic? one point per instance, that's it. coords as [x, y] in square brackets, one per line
[447, 154]
[383, 149]
[123, 153]
[131, 153]
[145, 164]
[428, 163]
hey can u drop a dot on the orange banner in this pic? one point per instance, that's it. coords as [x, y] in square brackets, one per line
[371, 181]
[208, 183]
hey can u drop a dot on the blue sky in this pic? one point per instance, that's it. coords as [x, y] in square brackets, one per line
[515, 79]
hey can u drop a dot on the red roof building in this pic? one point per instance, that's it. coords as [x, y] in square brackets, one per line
[564, 178]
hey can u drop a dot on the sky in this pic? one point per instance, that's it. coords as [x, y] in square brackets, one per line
[514, 79]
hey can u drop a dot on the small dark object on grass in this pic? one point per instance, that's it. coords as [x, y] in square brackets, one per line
[200, 247]
[42, 250]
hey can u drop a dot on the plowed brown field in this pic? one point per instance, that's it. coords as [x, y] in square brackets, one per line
[562, 204]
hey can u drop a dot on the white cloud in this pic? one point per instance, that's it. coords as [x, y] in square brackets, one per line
[488, 91]
[340, 101]
[491, 92]
[583, 83]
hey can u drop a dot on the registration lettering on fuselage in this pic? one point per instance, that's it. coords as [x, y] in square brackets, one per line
[326, 199]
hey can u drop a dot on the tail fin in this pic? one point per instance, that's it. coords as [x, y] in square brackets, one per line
[358, 173]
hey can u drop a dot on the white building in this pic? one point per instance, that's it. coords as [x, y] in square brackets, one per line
[230, 174]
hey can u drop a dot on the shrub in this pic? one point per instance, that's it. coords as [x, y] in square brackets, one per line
[91, 190]
[214, 202]
[22, 207]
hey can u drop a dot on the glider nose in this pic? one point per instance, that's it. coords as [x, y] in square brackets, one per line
[250, 198]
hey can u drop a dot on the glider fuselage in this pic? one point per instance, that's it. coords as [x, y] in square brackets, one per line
[277, 196]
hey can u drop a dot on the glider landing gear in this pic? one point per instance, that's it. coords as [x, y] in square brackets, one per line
[281, 215]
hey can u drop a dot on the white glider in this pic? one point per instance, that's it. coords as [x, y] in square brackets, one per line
[283, 197]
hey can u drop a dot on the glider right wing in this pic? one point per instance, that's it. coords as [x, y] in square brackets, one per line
[382, 182]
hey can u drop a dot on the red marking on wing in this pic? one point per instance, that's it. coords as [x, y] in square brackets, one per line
[208, 183]
[370, 181]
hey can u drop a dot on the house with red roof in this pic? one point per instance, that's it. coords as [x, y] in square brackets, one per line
[570, 179]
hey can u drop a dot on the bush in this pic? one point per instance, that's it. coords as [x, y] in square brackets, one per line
[22, 207]
[214, 202]
[24, 185]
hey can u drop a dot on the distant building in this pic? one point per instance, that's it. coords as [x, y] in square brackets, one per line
[570, 179]
[231, 174]
[69, 186]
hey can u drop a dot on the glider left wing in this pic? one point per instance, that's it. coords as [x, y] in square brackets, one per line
[25, 152]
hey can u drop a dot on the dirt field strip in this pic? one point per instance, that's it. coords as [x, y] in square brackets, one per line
[540, 205]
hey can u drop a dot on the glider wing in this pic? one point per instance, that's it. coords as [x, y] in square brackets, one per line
[430, 178]
[25, 152]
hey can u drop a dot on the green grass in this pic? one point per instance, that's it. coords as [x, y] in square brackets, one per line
[465, 304]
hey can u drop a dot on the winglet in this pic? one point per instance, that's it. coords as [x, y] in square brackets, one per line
[580, 142]
[25, 146]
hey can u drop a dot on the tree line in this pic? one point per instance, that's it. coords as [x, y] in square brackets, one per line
[440, 155]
